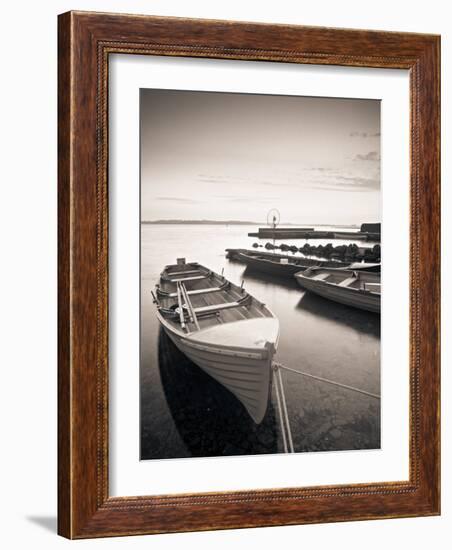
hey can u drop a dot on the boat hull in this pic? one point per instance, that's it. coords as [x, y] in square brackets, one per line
[237, 254]
[246, 373]
[274, 265]
[271, 267]
[366, 301]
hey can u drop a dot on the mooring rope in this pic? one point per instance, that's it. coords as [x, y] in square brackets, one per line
[326, 380]
[284, 408]
[281, 418]
[282, 404]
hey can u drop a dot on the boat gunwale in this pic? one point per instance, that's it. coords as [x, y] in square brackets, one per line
[316, 263]
[223, 349]
[317, 282]
[267, 260]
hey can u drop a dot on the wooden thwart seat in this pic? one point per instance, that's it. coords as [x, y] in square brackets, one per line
[191, 272]
[372, 287]
[185, 279]
[320, 276]
[218, 307]
[199, 291]
[348, 281]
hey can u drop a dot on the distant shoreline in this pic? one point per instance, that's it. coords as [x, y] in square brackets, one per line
[198, 222]
[237, 222]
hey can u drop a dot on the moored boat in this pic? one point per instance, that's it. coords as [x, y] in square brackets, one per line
[350, 235]
[360, 289]
[365, 266]
[224, 330]
[284, 266]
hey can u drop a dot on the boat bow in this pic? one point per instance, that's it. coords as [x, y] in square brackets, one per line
[257, 335]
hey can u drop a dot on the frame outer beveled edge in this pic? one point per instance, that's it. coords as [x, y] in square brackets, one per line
[64, 278]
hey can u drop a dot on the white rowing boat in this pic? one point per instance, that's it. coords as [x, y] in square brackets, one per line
[354, 288]
[224, 330]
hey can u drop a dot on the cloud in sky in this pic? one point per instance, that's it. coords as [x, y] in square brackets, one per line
[339, 182]
[179, 200]
[365, 134]
[250, 199]
[358, 134]
[240, 181]
[359, 184]
[371, 155]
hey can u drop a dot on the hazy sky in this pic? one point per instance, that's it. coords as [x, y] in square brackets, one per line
[225, 156]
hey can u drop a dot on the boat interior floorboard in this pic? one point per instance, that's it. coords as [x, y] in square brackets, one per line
[209, 296]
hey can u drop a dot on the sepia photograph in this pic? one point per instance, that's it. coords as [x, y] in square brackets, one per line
[260, 285]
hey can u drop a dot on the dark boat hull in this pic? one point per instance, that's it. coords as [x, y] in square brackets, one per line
[282, 266]
[271, 267]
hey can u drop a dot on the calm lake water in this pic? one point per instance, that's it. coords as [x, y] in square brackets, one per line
[185, 413]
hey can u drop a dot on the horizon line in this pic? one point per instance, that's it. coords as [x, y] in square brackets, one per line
[241, 222]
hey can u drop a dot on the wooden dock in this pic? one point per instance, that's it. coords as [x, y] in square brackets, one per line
[341, 253]
[311, 233]
[282, 232]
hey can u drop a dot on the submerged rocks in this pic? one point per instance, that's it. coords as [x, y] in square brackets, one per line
[344, 252]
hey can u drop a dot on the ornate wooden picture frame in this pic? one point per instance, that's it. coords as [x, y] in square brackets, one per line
[86, 40]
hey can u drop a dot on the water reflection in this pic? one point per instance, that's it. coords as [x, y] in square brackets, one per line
[208, 418]
[360, 321]
[266, 278]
